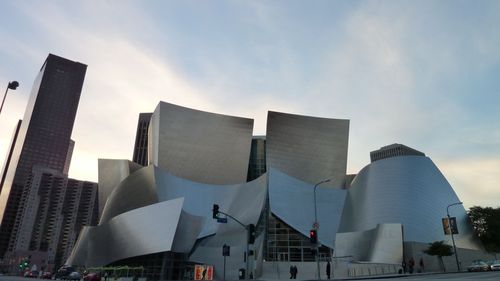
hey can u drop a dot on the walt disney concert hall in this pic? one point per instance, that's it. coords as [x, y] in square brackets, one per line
[159, 215]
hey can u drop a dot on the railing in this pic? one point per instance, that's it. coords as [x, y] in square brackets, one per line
[356, 269]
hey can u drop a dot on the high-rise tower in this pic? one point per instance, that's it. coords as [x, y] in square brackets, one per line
[44, 135]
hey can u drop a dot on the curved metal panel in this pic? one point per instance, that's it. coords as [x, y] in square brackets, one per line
[135, 191]
[310, 149]
[187, 232]
[383, 244]
[200, 146]
[409, 190]
[150, 185]
[80, 250]
[135, 199]
[243, 201]
[111, 172]
[142, 231]
[292, 201]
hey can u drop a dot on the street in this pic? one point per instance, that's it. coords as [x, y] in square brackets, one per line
[491, 275]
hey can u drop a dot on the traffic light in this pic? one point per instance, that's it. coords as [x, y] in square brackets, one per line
[215, 211]
[313, 236]
[251, 233]
[226, 250]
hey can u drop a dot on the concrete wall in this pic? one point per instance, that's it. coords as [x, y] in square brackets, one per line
[431, 263]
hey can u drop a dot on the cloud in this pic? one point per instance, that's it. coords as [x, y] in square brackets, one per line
[123, 79]
[422, 74]
[475, 180]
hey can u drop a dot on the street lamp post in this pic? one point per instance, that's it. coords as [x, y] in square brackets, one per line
[12, 85]
[451, 231]
[316, 224]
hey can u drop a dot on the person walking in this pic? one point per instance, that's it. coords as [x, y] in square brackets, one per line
[421, 263]
[411, 264]
[328, 270]
[291, 271]
[295, 271]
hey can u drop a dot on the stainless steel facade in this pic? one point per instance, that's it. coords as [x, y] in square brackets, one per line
[409, 190]
[200, 146]
[110, 173]
[198, 159]
[292, 201]
[134, 220]
[310, 149]
[134, 233]
[383, 244]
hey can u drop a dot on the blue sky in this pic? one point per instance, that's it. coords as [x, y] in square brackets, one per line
[422, 73]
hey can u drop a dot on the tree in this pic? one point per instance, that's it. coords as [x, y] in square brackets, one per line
[440, 249]
[486, 223]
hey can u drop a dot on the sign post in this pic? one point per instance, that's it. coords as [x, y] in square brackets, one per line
[225, 253]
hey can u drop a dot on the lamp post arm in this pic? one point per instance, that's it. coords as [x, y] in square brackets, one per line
[315, 207]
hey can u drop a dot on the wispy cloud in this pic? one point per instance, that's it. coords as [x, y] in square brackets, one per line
[420, 73]
[474, 179]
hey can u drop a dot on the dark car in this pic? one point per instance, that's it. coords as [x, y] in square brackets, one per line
[478, 266]
[46, 275]
[64, 272]
[75, 275]
[92, 276]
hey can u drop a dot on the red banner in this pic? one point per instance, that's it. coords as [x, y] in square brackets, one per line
[203, 272]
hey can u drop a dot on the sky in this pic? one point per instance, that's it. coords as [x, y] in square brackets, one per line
[422, 73]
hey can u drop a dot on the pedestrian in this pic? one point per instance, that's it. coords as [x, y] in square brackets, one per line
[295, 271]
[105, 276]
[411, 264]
[204, 273]
[403, 265]
[291, 271]
[328, 270]
[421, 263]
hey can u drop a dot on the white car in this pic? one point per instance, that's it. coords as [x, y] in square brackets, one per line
[495, 265]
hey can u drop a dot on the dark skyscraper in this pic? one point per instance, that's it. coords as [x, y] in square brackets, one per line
[44, 135]
[141, 139]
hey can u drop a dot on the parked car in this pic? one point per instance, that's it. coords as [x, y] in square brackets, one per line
[75, 275]
[46, 275]
[33, 274]
[478, 266]
[92, 276]
[64, 272]
[495, 265]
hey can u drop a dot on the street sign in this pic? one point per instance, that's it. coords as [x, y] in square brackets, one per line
[453, 225]
[222, 220]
